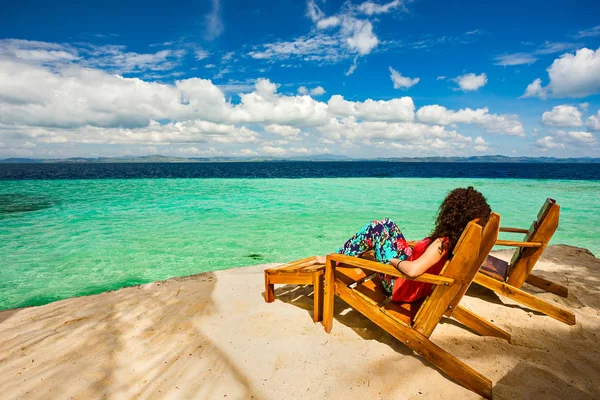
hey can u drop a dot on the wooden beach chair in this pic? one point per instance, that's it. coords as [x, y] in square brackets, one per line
[508, 278]
[302, 272]
[413, 323]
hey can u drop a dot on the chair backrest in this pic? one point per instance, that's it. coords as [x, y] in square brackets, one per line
[541, 230]
[462, 266]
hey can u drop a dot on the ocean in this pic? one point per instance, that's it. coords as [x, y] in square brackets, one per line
[74, 229]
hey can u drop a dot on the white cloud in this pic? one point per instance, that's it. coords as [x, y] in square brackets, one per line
[283, 130]
[352, 68]
[595, 31]
[61, 107]
[349, 34]
[361, 38]
[503, 124]
[213, 22]
[571, 75]
[313, 11]
[580, 136]
[302, 90]
[317, 91]
[210, 66]
[201, 54]
[471, 82]
[370, 8]
[547, 143]
[562, 116]
[593, 122]
[535, 89]
[584, 106]
[402, 82]
[328, 22]
[515, 59]
[402, 109]
[440, 78]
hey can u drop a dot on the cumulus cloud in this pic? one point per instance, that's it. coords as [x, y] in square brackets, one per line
[67, 104]
[316, 91]
[402, 109]
[471, 82]
[402, 82]
[593, 122]
[571, 75]
[547, 143]
[503, 124]
[563, 116]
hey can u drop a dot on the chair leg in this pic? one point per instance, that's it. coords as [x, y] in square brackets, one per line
[318, 296]
[525, 298]
[329, 293]
[437, 356]
[547, 285]
[479, 324]
[269, 289]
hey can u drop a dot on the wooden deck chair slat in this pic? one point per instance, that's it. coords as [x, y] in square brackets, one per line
[547, 285]
[293, 266]
[513, 230]
[388, 269]
[540, 231]
[465, 254]
[515, 243]
[525, 298]
[488, 238]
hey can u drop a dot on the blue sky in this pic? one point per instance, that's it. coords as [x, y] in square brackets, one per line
[289, 78]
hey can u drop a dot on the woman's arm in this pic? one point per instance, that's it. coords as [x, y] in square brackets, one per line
[417, 267]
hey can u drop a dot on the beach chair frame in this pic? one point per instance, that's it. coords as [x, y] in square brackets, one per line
[508, 278]
[302, 272]
[413, 323]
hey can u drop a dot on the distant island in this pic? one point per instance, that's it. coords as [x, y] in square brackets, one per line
[320, 157]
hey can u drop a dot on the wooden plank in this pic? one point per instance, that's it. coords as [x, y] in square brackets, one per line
[452, 366]
[526, 299]
[547, 285]
[294, 279]
[489, 236]
[513, 230]
[465, 255]
[293, 266]
[314, 268]
[541, 231]
[318, 296]
[269, 289]
[329, 293]
[515, 243]
[388, 269]
[479, 324]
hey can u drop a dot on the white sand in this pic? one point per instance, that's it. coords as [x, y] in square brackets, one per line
[212, 336]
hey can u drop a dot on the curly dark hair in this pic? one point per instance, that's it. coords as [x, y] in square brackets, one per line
[459, 207]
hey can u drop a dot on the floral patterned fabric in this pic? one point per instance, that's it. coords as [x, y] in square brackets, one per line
[386, 241]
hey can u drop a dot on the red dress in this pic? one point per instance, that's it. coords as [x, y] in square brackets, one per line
[406, 290]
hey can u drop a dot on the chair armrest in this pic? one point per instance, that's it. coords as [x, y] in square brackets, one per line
[514, 243]
[513, 230]
[387, 269]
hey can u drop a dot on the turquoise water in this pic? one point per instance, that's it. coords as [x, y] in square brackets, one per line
[60, 239]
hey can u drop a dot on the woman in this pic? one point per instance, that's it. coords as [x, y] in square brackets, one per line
[428, 255]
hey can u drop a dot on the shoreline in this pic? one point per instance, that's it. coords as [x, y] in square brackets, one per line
[211, 335]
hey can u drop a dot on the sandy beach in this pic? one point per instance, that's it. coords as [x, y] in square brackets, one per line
[212, 336]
